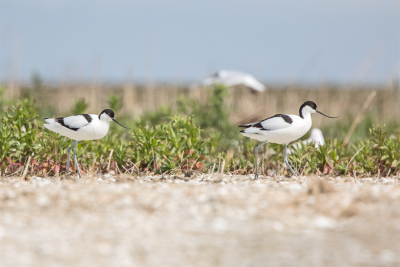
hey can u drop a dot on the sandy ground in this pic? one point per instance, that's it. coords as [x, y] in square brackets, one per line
[200, 221]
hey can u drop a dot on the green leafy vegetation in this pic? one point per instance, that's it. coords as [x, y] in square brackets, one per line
[189, 135]
[80, 107]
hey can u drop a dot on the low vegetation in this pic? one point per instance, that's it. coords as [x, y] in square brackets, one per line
[187, 136]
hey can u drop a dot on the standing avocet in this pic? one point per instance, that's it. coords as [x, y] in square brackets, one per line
[281, 129]
[82, 127]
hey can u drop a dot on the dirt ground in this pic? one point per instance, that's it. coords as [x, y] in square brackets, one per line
[200, 221]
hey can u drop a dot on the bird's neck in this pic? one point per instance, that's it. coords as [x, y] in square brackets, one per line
[306, 116]
[105, 121]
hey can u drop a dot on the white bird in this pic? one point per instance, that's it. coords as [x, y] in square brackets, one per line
[82, 127]
[316, 137]
[230, 78]
[282, 129]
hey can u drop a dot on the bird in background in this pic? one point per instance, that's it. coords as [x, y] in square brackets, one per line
[316, 137]
[82, 127]
[281, 129]
[230, 78]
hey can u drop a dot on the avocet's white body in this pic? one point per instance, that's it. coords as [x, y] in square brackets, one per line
[79, 127]
[278, 130]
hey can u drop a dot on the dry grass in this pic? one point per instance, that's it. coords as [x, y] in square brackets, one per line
[333, 100]
[181, 221]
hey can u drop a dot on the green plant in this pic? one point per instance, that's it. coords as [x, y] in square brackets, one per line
[152, 118]
[173, 145]
[18, 135]
[80, 106]
[213, 118]
[115, 102]
[162, 142]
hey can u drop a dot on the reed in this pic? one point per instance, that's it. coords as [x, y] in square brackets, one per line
[245, 105]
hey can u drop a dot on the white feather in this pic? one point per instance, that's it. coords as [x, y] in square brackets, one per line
[77, 121]
[275, 123]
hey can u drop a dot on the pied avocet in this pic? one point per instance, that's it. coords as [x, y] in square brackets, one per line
[282, 129]
[82, 127]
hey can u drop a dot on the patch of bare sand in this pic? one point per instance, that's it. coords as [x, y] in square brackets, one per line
[199, 221]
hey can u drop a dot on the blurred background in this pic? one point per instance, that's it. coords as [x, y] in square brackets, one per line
[155, 63]
[183, 41]
[142, 56]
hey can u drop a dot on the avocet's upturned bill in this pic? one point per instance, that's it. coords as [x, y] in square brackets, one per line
[230, 78]
[282, 129]
[82, 127]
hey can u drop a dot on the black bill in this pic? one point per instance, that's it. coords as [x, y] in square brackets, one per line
[326, 115]
[120, 124]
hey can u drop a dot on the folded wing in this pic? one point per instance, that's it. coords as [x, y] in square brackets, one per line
[73, 123]
[277, 122]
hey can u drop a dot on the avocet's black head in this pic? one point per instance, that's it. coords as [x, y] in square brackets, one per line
[310, 107]
[108, 115]
[109, 112]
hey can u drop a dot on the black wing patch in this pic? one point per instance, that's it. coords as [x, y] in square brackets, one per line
[87, 117]
[61, 121]
[285, 117]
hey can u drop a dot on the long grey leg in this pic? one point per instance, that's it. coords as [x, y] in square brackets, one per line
[255, 152]
[68, 151]
[287, 163]
[76, 162]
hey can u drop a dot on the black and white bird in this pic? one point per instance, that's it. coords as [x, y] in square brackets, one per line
[82, 127]
[282, 129]
[231, 78]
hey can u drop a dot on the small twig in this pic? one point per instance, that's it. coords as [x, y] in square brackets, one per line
[109, 159]
[154, 159]
[26, 168]
[219, 162]
[262, 166]
[117, 169]
[222, 167]
[358, 117]
[353, 158]
[126, 169]
[133, 167]
[12, 174]
[212, 170]
[100, 164]
[220, 173]
[191, 168]
[94, 163]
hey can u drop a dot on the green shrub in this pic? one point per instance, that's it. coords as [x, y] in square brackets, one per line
[169, 146]
[80, 106]
[199, 136]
